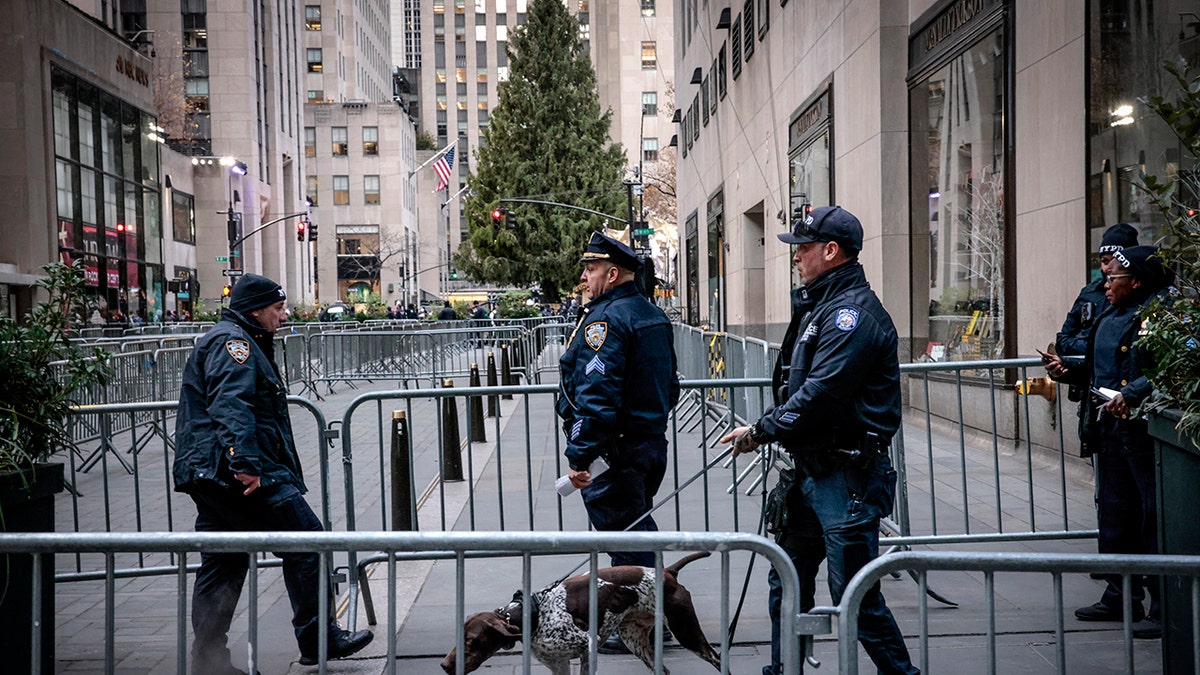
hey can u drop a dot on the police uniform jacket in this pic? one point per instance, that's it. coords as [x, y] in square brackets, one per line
[617, 376]
[233, 415]
[1091, 303]
[1119, 327]
[838, 373]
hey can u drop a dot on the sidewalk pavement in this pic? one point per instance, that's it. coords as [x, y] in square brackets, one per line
[146, 607]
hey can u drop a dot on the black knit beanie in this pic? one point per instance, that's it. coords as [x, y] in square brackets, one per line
[255, 292]
[1117, 237]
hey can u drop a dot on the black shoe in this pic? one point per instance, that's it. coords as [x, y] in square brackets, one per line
[613, 645]
[342, 644]
[1149, 628]
[1103, 612]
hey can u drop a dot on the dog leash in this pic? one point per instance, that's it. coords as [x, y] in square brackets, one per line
[654, 508]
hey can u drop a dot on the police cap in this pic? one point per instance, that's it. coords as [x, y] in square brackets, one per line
[601, 247]
[826, 223]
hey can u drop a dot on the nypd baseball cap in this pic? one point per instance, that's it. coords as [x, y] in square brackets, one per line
[1117, 237]
[826, 223]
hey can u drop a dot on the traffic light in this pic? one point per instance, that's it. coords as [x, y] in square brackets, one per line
[312, 231]
[498, 215]
[226, 291]
[300, 231]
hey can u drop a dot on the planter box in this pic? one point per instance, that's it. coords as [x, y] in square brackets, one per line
[27, 505]
[1177, 469]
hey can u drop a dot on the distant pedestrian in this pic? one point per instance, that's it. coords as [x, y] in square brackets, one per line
[447, 313]
[236, 458]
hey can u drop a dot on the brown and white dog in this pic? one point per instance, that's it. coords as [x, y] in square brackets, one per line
[560, 620]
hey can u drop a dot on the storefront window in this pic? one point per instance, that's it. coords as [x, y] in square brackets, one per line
[810, 172]
[1129, 41]
[958, 166]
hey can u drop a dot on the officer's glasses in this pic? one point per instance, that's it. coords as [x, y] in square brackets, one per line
[1108, 278]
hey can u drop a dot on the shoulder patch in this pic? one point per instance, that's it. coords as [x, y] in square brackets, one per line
[847, 319]
[238, 349]
[595, 334]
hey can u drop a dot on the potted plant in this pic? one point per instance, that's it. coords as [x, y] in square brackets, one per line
[41, 373]
[1171, 337]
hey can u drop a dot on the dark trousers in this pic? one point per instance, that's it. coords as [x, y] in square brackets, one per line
[1126, 493]
[626, 491]
[219, 581]
[835, 518]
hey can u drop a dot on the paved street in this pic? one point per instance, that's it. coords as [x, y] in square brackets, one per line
[145, 608]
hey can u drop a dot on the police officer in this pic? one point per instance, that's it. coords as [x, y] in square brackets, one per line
[837, 406]
[1072, 339]
[1119, 441]
[236, 457]
[618, 386]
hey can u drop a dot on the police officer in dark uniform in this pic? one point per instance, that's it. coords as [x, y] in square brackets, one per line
[1072, 339]
[1119, 442]
[837, 406]
[618, 386]
[236, 457]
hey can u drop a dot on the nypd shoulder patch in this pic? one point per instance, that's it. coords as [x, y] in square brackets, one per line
[238, 349]
[595, 334]
[847, 319]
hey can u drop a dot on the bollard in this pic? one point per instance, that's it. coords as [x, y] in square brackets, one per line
[451, 443]
[493, 399]
[403, 515]
[506, 375]
[475, 430]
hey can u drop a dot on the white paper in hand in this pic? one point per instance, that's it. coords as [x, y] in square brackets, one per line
[563, 485]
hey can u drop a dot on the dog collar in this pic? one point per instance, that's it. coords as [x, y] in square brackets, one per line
[511, 613]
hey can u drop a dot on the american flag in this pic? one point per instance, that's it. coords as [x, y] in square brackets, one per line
[444, 168]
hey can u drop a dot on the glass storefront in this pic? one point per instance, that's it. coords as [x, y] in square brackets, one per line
[810, 171]
[1129, 41]
[107, 200]
[957, 111]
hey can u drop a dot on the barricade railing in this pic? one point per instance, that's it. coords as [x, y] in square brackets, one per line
[458, 546]
[139, 438]
[404, 356]
[1040, 617]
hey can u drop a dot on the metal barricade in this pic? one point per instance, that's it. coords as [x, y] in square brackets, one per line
[139, 496]
[1039, 617]
[127, 638]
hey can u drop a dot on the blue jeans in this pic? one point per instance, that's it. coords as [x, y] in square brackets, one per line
[626, 491]
[836, 518]
[221, 576]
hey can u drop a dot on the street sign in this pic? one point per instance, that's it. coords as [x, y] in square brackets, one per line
[222, 258]
[643, 231]
[232, 273]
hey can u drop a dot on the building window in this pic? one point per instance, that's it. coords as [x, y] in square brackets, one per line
[310, 141]
[340, 145]
[735, 47]
[370, 189]
[314, 60]
[748, 24]
[958, 219]
[647, 7]
[692, 266]
[649, 103]
[649, 55]
[649, 149]
[312, 17]
[316, 95]
[341, 190]
[310, 189]
[370, 140]
[183, 217]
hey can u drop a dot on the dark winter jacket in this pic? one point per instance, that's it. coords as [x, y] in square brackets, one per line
[838, 373]
[233, 414]
[618, 374]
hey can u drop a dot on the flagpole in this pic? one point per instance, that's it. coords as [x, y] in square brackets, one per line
[433, 159]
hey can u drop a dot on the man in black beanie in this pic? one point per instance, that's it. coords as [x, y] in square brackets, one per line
[236, 457]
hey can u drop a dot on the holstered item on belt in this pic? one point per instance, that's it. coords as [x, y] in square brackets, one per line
[775, 509]
[818, 463]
